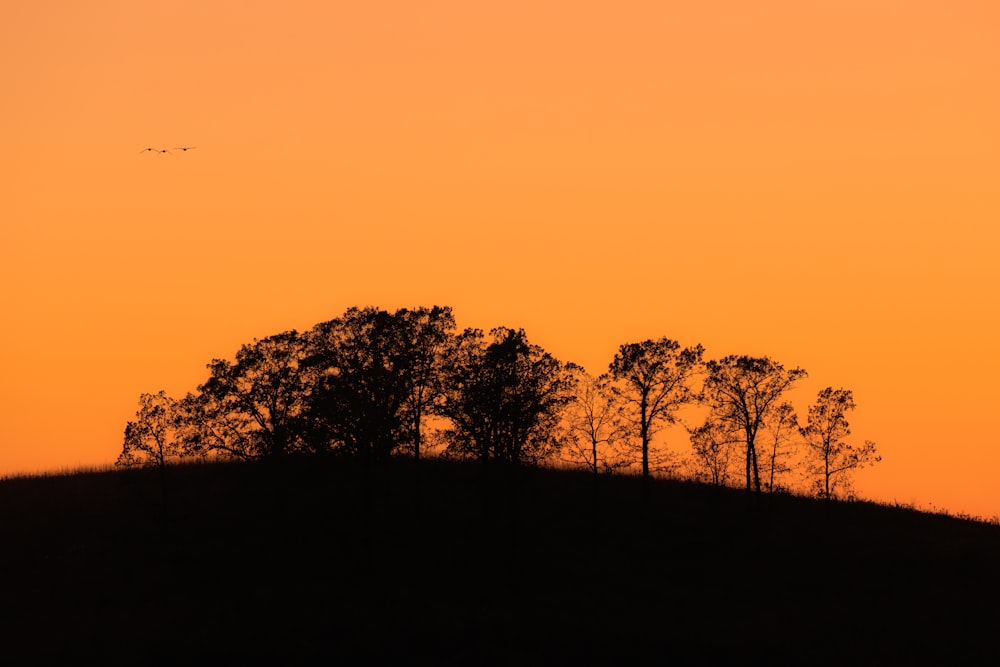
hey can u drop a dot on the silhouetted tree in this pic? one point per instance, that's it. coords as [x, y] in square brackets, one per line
[831, 460]
[743, 393]
[594, 425]
[652, 380]
[154, 438]
[252, 407]
[504, 397]
[781, 430]
[713, 446]
[429, 337]
[365, 365]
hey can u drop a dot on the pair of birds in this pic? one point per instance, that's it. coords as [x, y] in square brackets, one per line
[164, 150]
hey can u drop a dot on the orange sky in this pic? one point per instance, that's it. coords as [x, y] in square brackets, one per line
[815, 180]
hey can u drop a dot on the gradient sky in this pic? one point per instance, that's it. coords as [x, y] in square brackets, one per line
[814, 180]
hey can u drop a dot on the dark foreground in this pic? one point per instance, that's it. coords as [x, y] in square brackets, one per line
[445, 564]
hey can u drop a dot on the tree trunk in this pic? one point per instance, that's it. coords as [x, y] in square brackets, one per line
[644, 434]
[416, 435]
[749, 479]
[756, 469]
[826, 473]
[593, 451]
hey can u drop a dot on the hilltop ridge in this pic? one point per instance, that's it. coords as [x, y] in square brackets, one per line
[447, 562]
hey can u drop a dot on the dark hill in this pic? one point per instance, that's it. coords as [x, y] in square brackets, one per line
[448, 563]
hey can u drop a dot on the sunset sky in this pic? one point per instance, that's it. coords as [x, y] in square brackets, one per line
[813, 180]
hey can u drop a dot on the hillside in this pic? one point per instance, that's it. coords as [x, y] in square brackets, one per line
[447, 563]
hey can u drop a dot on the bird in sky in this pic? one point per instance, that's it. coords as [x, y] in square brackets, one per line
[154, 150]
[184, 148]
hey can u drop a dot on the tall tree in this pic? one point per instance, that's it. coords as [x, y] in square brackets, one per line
[743, 393]
[831, 459]
[504, 397]
[652, 380]
[364, 372]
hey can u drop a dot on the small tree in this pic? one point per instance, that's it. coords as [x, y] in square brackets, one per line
[831, 460]
[714, 451]
[595, 427]
[153, 438]
[778, 446]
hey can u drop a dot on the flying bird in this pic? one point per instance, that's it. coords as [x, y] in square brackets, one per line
[154, 150]
[184, 148]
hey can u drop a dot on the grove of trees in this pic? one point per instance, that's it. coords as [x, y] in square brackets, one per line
[373, 384]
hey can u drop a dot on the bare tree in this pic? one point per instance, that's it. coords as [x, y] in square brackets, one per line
[831, 460]
[778, 446]
[594, 424]
[743, 393]
[714, 449]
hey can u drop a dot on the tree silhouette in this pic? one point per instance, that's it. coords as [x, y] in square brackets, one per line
[154, 437]
[364, 367]
[504, 397]
[595, 427]
[743, 393]
[429, 336]
[831, 460]
[781, 430]
[713, 444]
[652, 380]
[252, 407]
